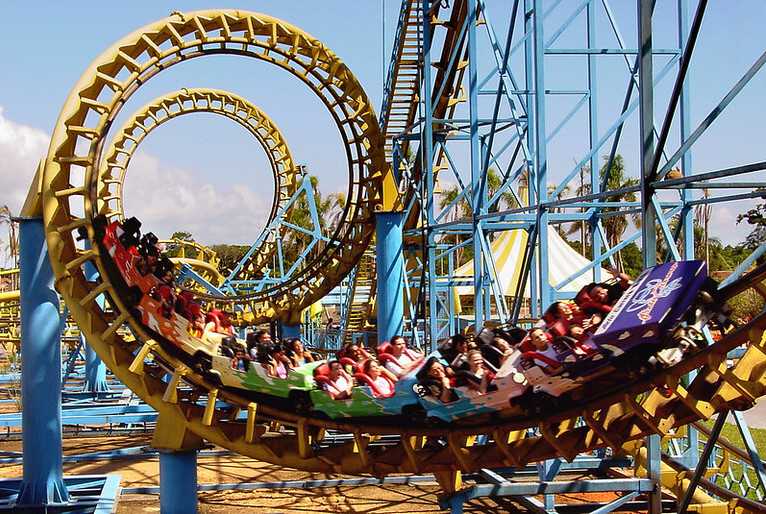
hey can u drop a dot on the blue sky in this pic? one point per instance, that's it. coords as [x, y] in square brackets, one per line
[207, 176]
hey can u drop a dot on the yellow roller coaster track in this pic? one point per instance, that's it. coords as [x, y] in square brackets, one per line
[192, 410]
[200, 258]
[74, 155]
[186, 101]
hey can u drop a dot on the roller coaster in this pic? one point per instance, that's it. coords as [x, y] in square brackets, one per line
[80, 200]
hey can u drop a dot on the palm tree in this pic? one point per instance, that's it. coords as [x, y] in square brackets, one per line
[702, 213]
[582, 226]
[462, 209]
[616, 224]
[551, 189]
[336, 207]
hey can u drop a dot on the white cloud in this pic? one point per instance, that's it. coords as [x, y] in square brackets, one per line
[21, 148]
[168, 199]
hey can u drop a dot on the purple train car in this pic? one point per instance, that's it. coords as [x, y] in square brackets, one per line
[657, 320]
[652, 308]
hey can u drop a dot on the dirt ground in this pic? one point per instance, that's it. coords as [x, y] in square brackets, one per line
[231, 469]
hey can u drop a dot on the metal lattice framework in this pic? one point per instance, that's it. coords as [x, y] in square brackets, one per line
[188, 405]
[512, 98]
[134, 130]
[75, 151]
[200, 259]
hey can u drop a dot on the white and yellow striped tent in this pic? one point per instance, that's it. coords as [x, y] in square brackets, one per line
[508, 251]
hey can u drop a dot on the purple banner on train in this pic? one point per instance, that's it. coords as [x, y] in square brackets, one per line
[658, 298]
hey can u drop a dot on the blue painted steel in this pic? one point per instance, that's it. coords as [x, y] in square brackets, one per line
[646, 100]
[178, 482]
[478, 175]
[427, 156]
[558, 487]
[90, 415]
[295, 484]
[703, 464]
[95, 372]
[43, 483]
[654, 471]
[95, 494]
[390, 269]
[289, 331]
[95, 369]
[751, 448]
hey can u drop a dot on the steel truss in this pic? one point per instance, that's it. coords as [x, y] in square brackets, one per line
[511, 86]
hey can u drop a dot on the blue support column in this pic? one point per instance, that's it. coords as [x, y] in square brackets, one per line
[95, 369]
[95, 372]
[654, 471]
[390, 270]
[646, 110]
[290, 331]
[178, 482]
[43, 483]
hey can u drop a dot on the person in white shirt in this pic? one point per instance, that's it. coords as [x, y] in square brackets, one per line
[383, 383]
[405, 359]
[340, 385]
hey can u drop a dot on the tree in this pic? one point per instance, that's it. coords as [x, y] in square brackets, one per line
[757, 218]
[462, 209]
[615, 224]
[183, 236]
[329, 211]
[173, 249]
[565, 189]
[230, 256]
[582, 226]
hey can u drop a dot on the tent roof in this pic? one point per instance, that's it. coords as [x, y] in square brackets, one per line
[508, 251]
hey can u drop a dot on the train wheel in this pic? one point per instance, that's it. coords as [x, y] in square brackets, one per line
[203, 365]
[301, 401]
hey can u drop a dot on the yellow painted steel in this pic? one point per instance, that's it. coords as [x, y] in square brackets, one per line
[135, 129]
[676, 482]
[74, 155]
[9, 296]
[628, 411]
[201, 259]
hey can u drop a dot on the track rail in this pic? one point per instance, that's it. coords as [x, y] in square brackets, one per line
[70, 173]
[155, 113]
[623, 410]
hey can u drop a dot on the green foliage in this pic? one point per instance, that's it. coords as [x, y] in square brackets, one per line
[329, 209]
[615, 226]
[230, 256]
[172, 249]
[746, 305]
[182, 236]
[757, 218]
[462, 210]
[632, 260]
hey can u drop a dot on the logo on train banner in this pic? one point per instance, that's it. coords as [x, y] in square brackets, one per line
[645, 300]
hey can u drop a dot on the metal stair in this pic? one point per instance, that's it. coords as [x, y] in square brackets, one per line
[361, 298]
[400, 96]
